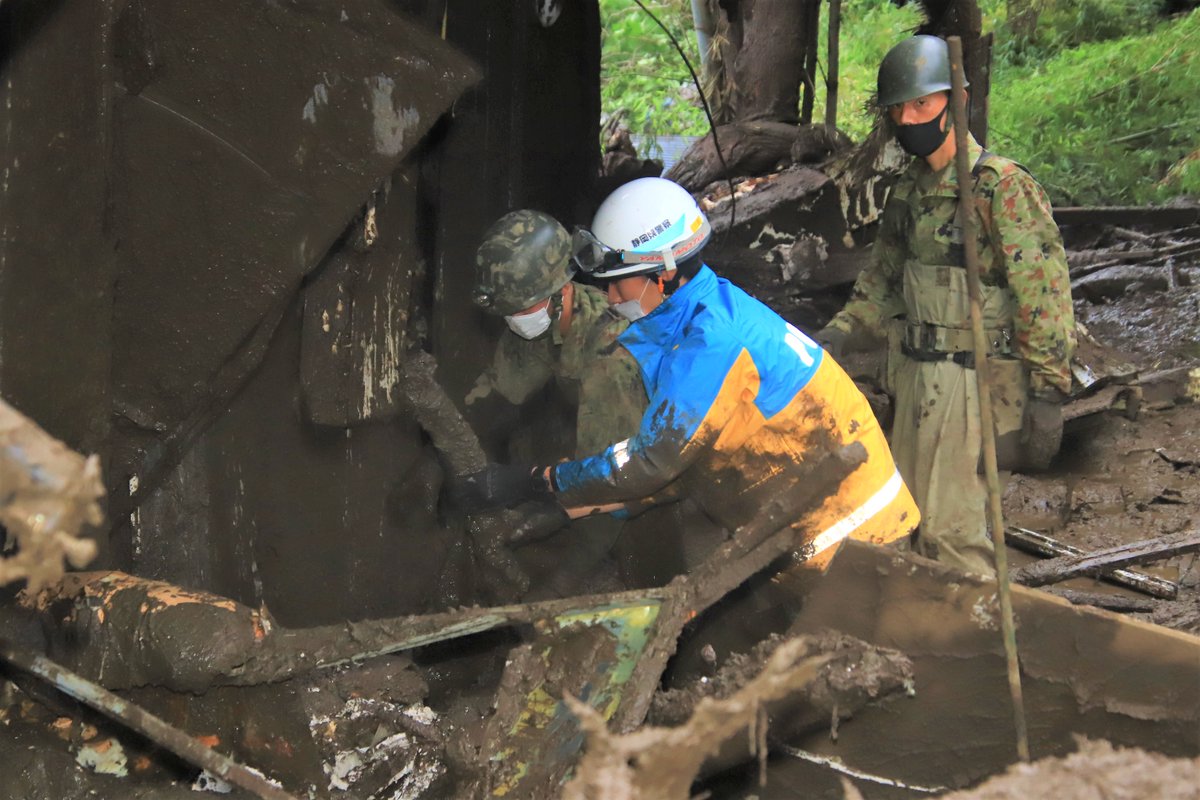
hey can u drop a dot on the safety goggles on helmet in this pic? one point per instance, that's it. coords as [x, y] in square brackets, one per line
[591, 255]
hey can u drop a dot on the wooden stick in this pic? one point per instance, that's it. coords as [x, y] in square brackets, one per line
[983, 375]
[1039, 544]
[1060, 569]
[831, 76]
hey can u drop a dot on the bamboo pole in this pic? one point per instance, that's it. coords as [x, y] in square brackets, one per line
[831, 76]
[983, 375]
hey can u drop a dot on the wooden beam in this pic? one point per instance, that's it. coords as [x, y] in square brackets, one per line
[1060, 569]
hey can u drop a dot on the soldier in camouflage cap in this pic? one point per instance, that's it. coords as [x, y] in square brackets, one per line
[559, 330]
[913, 295]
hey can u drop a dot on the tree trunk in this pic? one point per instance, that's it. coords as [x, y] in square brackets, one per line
[963, 18]
[769, 66]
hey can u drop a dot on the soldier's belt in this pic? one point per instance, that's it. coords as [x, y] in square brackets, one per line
[925, 341]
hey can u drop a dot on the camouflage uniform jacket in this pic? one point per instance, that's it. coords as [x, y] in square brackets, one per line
[594, 371]
[1019, 247]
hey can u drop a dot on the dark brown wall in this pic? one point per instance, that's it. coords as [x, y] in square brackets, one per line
[56, 244]
[184, 286]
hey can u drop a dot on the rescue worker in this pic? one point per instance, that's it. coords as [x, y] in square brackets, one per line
[736, 393]
[913, 294]
[558, 330]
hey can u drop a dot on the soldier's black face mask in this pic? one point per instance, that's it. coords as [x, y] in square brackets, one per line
[924, 137]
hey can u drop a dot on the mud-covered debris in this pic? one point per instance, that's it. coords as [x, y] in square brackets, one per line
[855, 674]
[376, 748]
[1099, 771]
[49, 493]
[655, 763]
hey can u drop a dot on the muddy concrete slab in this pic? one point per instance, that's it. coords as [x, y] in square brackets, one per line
[1085, 671]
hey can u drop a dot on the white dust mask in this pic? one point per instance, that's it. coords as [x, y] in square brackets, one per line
[532, 325]
[632, 309]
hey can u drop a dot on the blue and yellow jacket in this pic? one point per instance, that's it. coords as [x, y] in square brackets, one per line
[738, 396]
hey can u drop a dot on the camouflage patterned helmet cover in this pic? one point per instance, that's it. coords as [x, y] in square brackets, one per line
[525, 257]
[915, 67]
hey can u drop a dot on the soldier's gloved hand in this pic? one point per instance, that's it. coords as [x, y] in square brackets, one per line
[1042, 428]
[832, 341]
[498, 486]
[541, 518]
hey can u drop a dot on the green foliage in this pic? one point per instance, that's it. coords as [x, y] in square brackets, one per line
[1103, 122]
[1062, 24]
[1098, 98]
[869, 28]
[642, 75]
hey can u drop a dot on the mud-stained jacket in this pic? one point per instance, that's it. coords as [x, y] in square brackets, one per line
[737, 397]
[592, 369]
[1020, 250]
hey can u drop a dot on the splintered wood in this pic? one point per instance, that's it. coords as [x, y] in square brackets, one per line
[661, 763]
[49, 494]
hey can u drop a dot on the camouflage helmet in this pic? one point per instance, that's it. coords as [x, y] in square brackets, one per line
[914, 68]
[525, 257]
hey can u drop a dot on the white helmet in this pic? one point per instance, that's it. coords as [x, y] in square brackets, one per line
[646, 225]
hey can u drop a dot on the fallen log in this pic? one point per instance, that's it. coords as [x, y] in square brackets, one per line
[1064, 567]
[1039, 544]
[747, 148]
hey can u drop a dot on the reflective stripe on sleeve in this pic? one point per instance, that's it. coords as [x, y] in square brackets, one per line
[852, 521]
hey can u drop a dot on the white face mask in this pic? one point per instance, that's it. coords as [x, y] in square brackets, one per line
[532, 325]
[632, 309]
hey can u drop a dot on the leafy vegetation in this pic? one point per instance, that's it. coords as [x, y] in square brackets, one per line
[1107, 122]
[642, 75]
[1097, 97]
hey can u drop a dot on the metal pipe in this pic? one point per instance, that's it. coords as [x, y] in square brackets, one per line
[138, 719]
[983, 375]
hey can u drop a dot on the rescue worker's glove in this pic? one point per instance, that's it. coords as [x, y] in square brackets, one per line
[832, 341]
[499, 486]
[1042, 428]
[541, 518]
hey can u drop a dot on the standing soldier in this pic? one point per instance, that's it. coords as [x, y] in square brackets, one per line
[914, 294]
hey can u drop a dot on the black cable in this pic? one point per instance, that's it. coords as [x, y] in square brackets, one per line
[712, 126]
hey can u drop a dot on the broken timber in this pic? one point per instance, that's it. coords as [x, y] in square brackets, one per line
[1064, 567]
[1039, 544]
